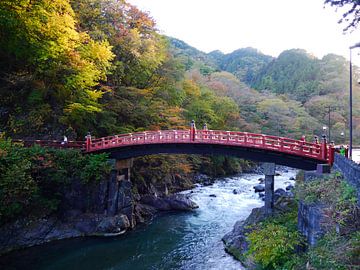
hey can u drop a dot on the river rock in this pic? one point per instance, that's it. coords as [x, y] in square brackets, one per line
[154, 201]
[172, 202]
[259, 188]
[261, 180]
[114, 224]
[144, 212]
[279, 193]
[181, 202]
[289, 187]
[292, 178]
[212, 195]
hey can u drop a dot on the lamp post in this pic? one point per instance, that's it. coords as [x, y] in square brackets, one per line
[329, 122]
[324, 130]
[350, 102]
[342, 134]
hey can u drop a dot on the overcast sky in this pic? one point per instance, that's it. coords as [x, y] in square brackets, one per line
[270, 26]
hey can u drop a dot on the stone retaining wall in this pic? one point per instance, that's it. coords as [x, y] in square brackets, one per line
[350, 170]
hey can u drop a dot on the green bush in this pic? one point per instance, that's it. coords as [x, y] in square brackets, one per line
[272, 245]
[32, 179]
[274, 241]
[94, 167]
[336, 252]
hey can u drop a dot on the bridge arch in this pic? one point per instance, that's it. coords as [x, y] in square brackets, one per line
[257, 147]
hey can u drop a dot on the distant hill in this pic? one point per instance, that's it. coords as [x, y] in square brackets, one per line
[190, 56]
[294, 72]
[245, 63]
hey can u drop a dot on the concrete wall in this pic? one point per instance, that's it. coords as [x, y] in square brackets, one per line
[310, 222]
[350, 170]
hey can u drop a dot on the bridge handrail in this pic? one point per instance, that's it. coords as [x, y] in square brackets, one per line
[239, 138]
[322, 152]
[52, 143]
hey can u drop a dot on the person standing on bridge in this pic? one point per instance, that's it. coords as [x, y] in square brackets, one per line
[316, 139]
[65, 141]
[192, 130]
[342, 150]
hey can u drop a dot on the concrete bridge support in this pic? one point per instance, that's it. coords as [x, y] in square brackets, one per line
[269, 171]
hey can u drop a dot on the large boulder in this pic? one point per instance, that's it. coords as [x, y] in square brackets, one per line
[172, 202]
[181, 202]
[144, 212]
[279, 193]
[114, 224]
[259, 188]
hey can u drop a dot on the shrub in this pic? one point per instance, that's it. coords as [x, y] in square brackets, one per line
[32, 179]
[272, 245]
[274, 241]
[336, 252]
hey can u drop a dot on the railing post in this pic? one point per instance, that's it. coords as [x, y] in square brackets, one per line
[302, 143]
[205, 132]
[88, 142]
[324, 148]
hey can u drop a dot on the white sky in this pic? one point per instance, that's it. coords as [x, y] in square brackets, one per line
[270, 26]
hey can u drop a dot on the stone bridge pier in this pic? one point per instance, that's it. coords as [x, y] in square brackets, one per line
[120, 198]
[269, 171]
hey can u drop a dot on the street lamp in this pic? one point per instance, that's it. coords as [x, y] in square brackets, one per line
[324, 130]
[342, 134]
[350, 103]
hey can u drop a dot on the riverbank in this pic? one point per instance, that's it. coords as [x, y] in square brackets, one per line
[52, 194]
[318, 230]
[186, 240]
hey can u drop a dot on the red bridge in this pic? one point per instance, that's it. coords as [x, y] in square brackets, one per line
[258, 147]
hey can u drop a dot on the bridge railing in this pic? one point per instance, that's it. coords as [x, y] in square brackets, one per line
[236, 138]
[52, 143]
[260, 141]
[147, 137]
[322, 151]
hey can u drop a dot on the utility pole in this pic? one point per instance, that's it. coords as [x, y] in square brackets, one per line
[329, 123]
[357, 45]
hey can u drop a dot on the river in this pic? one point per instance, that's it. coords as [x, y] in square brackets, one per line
[188, 240]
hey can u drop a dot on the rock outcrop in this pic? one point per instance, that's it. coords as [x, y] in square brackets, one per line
[108, 207]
